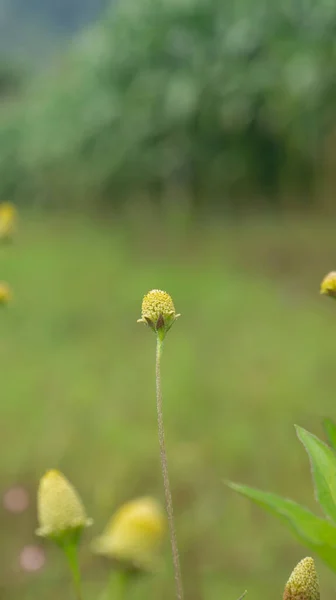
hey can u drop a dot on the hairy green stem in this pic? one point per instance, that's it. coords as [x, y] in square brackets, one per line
[71, 552]
[164, 467]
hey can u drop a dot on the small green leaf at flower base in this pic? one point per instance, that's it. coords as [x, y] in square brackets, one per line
[323, 465]
[330, 430]
[315, 533]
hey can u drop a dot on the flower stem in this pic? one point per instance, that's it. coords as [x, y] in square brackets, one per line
[164, 467]
[117, 587]
[122, 585]
[71, 552]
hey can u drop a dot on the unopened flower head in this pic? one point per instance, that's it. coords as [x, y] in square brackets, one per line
[61, 513]
[134, 534]
[8, 216]
[328, 285]
[5, 293]
[158, 311]
[303, 583]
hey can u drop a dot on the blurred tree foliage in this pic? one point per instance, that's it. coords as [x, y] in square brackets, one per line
[225, 99]
[13, 78]
[35, 28]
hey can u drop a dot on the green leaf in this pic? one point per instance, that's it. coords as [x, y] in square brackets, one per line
[330, 430]
[317, 534]
[311, 528]
[323, 465]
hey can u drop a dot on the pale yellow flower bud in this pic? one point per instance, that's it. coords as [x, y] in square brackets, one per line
[5, 293]
[328, 285]
[303, 583]
[8, 215]
[60, 510]
[158, 311]
[134, 534]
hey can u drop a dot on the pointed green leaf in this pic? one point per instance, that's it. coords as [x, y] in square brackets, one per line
[330, 430]
[317, 534]
[323, 465]
[306, 524]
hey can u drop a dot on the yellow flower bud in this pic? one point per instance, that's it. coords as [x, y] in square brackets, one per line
[158, 311]
[328, 285]
[134, 534]
[5, 293]
[60, 510]
[8, 216]
[303, 583]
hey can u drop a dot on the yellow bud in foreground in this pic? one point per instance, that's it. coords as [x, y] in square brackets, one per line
[303, 583]
[158, 311]
[328, 285]
[60, 510]
[7, 220]
[5, 293]
[134, 534]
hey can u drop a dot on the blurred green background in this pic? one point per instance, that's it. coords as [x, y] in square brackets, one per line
[186, 145]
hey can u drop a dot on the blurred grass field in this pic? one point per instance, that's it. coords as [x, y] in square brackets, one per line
[253, 353]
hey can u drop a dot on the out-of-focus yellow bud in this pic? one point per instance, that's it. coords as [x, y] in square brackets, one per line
[61, 514]
[328, 285]
[8, 217]
[134, 534]
[158, 311]
[303, 583]
[5, 293]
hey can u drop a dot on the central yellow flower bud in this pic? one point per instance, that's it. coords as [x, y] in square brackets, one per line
[158, 311]
[134, 534]
[328, 285]
[60, 510]
[7, 220]
[5, 293]
[303, 583]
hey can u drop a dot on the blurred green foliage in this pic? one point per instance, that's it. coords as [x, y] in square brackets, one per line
[13, 77]
[35, 29]
[225, 100]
